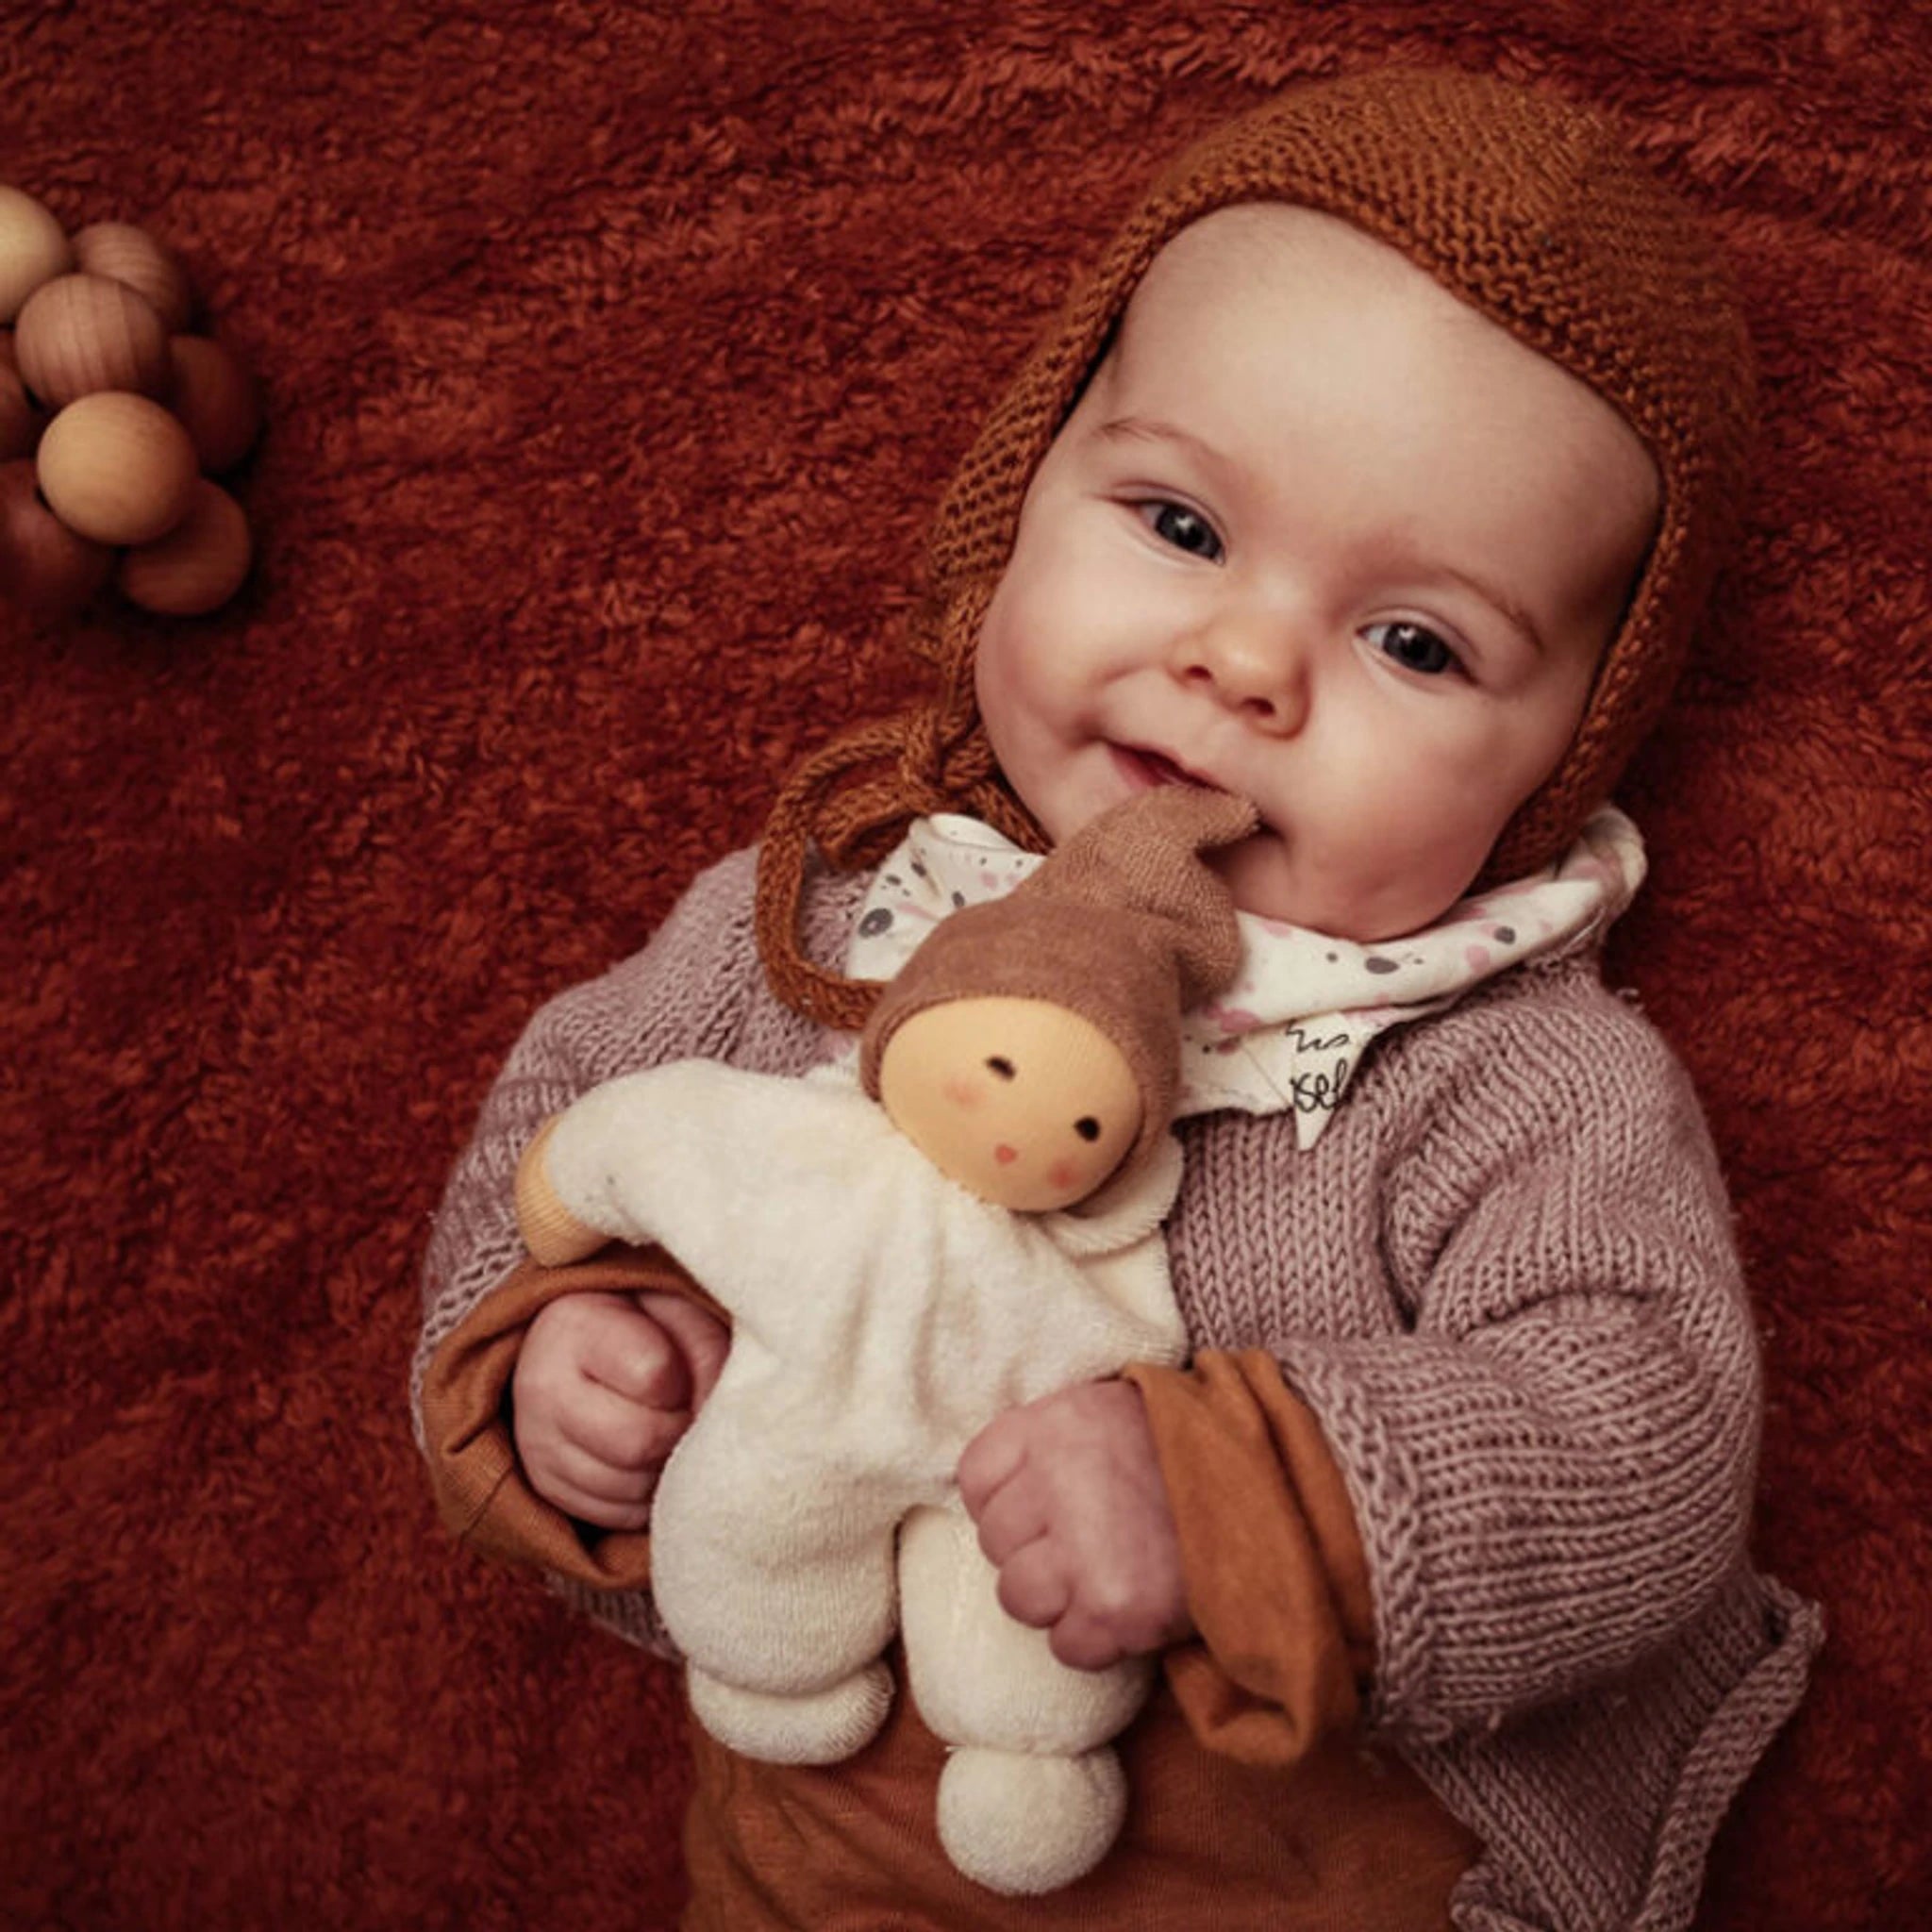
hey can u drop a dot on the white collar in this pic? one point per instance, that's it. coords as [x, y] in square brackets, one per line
[1291, 1031]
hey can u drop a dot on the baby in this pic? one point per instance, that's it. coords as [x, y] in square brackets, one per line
[1377, 475]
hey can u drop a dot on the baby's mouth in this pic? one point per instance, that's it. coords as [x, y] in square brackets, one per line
[1148, 769]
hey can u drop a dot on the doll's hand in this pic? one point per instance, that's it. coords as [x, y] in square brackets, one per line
[605, 1386]
[1072, 1511]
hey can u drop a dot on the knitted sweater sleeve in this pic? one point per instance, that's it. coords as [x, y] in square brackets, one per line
[692, 991]
[1552, 1458]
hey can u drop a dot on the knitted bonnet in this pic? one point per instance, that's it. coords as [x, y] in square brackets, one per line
[1522, 205]
[1124, 924]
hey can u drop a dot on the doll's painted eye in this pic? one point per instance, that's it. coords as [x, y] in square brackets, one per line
[1000, 1065]
[1087, 1128]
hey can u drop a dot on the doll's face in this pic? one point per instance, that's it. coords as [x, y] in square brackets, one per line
[1025, 1103]
[1319, 534]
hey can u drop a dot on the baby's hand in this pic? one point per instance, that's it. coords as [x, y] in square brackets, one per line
[1073, 1513]
[605, 1386]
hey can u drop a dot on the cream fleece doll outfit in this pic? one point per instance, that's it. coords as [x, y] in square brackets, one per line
[883, 1315]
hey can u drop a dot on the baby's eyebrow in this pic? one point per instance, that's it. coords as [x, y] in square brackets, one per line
[1152, 429]
[1499, 599]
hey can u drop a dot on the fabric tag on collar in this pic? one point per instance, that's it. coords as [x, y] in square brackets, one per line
[1288, 1033]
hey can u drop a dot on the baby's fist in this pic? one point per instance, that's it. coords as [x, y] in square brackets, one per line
[1071, 1510]
[606, 1386]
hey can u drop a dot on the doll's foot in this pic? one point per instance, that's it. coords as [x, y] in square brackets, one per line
[815, 1727]
[1021, 1824]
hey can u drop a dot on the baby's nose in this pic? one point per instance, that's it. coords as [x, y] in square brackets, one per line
[1250, 663]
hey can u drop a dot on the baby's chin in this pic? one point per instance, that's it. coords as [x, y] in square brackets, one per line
[1265, 882]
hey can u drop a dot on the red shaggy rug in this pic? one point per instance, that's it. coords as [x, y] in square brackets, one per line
[615, 352]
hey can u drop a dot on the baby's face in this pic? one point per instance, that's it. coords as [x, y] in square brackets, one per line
[1319, 534]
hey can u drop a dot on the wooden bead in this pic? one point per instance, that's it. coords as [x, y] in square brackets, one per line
[198, 565]
[20, 422]
[124, 253]
[117, 468]
[43, 565]
[215, 397]
[81, 333]
[34, 248]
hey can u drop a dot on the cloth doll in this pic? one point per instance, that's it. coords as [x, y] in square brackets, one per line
[962, 1219]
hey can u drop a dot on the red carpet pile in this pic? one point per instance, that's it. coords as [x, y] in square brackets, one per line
[614, 352]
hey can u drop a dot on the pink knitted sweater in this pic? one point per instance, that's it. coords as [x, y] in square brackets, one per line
[1503, 1282]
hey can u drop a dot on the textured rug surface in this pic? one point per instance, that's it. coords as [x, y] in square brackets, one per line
[615, 351]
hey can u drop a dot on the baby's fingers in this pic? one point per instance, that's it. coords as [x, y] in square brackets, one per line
[1033, 1586]
[618, 1433]
[592, 1491]
[1085, 1643]
[624, 1350]
[703, 1339]
[992, 1459]
[1009, 1519]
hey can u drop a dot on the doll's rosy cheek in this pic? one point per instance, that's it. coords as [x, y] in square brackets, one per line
[1064, 1174]
[963, 1092]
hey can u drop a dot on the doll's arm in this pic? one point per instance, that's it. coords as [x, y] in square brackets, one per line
[553, 1234]
[618, 1164]
[728, 1168]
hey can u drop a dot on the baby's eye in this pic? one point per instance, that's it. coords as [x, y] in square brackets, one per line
[1413, 646]
[1186, 529]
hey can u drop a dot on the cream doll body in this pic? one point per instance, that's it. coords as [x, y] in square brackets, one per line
[1316, 533]
[885, 1309]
